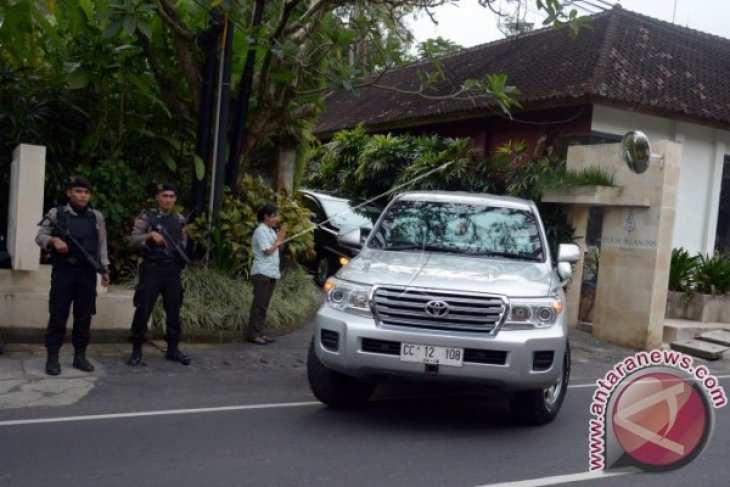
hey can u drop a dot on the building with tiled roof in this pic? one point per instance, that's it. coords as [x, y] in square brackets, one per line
[625, 72]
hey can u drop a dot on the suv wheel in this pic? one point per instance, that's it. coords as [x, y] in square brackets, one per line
[334, 389]
[541, 406]
[322, 271]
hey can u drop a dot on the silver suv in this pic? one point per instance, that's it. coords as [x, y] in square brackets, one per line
[448, 286]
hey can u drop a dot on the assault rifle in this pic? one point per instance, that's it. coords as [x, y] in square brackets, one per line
[172, 244]
[74, 242]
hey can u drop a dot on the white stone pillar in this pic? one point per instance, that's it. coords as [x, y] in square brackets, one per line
[25, 208]
[636, 250]
[578, 218]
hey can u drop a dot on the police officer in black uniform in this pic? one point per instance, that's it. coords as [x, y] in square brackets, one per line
[159, 231]
[76, 237]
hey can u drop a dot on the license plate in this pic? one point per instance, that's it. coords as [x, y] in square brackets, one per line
[429, 354]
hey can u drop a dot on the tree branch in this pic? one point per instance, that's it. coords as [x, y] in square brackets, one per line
[165, 84]
[168, 13]
[184, 46]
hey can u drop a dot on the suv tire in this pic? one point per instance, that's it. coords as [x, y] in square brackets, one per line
[540, 406]
[334, 389]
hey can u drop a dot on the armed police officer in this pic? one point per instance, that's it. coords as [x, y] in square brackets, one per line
[160, 232]
[76, 237]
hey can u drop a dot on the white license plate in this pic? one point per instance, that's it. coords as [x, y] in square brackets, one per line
[429, 354]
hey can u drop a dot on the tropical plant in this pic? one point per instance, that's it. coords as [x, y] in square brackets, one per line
[712, 275]
[225, 238]
[216, 301]
[437, 47]
[682, 270]
[121, 52]
[361, 166]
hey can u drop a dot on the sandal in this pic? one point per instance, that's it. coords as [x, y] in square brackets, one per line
[267, 339]
[257, 341]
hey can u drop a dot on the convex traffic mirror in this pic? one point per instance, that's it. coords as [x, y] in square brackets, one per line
[636, 151]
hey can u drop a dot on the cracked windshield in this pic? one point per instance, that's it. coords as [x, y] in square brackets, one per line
[462, 228]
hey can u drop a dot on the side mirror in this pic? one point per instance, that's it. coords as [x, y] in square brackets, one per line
[349, 237]
[568, 253]
[314, 218]
[565, 272]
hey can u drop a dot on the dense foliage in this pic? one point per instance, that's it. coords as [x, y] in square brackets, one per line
[362, 166]
[225, 239]
[704, 274]
[113, 88]
[215, 302]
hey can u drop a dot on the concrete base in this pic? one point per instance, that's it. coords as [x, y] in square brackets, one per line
[676, 329]
[585, 326]
[720, 337]
[699, 348]
[24, 308]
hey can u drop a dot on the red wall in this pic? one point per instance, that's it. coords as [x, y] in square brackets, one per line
[489, 133]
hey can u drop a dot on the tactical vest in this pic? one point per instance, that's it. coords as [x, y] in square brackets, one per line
[83, 227]
[171, 222]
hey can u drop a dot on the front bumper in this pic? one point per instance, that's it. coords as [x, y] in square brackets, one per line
[512, 359]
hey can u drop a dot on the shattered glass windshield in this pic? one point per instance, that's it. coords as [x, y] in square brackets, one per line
[460, 228]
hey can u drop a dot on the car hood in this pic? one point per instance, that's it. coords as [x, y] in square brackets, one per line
[450, 271]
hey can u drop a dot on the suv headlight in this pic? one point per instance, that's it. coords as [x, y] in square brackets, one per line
[348, 297]
[533, 313]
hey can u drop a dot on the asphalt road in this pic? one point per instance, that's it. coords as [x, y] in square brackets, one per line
[243, 415]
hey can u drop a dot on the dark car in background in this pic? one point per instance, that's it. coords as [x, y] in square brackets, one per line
[332, 215]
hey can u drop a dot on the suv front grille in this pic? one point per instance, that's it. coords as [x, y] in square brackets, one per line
[438, 310]
[472, 355]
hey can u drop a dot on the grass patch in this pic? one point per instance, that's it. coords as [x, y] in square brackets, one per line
[591, 176]
[216, 302]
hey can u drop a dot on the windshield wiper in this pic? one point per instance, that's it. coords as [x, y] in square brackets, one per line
[428, 248]
[506, 255]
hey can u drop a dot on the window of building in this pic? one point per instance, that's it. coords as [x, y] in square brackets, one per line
[722, 234]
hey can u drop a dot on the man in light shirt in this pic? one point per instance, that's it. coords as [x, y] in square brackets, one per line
[264, 270]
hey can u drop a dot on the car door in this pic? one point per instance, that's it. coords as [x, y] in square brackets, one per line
[318, 216]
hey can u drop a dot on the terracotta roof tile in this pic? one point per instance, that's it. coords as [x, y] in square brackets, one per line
[623, 57]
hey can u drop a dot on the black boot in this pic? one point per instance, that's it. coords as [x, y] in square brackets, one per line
[136, 358]
[52, 365]
[175, 355]
[81, 363]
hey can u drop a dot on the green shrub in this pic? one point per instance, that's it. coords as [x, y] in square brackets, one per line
[590, 176]
[226, 237]
[682, 270]
[215, 301]
[713, 274]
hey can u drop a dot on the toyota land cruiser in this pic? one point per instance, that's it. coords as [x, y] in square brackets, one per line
[448, 286]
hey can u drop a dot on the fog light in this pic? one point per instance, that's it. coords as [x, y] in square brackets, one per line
[344, 261]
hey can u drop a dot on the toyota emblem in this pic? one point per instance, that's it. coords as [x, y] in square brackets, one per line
[437, 308]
